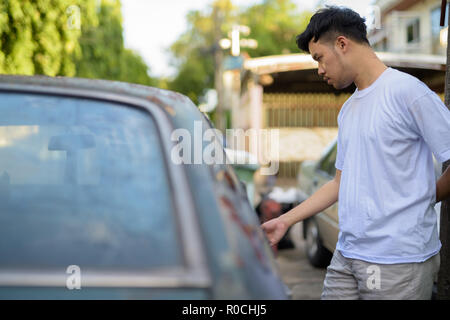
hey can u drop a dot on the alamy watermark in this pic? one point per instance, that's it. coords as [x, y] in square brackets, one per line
[374, 280]
[74, 279]
[74, 17]
[373, 17]
[262, 143]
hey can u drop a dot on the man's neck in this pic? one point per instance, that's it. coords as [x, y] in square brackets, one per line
[369, 69]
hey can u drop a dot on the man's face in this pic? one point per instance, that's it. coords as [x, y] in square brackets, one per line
[331, 65]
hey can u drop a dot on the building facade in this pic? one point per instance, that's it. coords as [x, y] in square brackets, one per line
[409, 26]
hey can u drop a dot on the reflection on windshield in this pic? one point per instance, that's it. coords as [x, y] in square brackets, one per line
[82, 182]
[8, 135]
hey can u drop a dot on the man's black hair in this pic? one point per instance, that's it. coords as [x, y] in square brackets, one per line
[331, 22]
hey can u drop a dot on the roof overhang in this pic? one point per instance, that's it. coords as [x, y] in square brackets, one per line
[294, 62]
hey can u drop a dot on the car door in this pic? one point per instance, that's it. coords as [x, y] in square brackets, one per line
[253, 255]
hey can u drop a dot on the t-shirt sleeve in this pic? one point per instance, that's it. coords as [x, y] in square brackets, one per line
[431, 120]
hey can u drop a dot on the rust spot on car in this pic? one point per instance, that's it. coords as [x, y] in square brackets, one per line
[170, 110]
[175, 96]
[159, 102]
[220, 175]
[249, 232]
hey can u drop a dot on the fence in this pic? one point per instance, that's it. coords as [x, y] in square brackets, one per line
[302, 110]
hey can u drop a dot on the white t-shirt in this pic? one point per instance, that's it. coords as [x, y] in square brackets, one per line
[386, 135]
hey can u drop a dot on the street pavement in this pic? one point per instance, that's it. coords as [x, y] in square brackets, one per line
[304, 281]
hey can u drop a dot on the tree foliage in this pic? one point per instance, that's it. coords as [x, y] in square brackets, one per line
[273, 23]
[194, 75]
[69, 38]
[193, 52]
[103, 53]
[35, 37]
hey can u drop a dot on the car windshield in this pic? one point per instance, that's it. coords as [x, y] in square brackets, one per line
[82, 182]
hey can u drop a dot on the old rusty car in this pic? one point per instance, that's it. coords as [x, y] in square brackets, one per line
[93, 205]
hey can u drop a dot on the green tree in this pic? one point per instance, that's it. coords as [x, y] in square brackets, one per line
[35, 37]
[193, 53]
[273, 23]
[134, 69]
[103, 54]
[67, 38]
[194, 75]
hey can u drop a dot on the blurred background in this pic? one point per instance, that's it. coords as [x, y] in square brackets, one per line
[236, 59]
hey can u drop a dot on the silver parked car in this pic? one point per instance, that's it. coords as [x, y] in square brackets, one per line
[93, 206]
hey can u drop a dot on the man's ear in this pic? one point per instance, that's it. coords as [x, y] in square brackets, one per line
[342, 44]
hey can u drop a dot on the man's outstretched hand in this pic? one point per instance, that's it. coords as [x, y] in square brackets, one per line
[275, 230]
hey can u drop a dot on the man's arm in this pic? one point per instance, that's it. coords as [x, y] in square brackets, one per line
[323, 198]
[443, 186]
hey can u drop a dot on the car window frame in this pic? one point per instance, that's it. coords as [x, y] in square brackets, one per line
[194, 272]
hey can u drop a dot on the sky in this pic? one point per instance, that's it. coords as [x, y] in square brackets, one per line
[151, 26]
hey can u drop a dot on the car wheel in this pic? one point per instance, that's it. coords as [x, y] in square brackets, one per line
[317, 254]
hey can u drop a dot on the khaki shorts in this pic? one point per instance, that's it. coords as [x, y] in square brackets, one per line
[356, 279]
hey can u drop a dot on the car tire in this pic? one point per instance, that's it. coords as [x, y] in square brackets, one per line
[317, 254]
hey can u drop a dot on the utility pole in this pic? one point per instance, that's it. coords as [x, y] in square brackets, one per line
[444, 271]
[218, 66]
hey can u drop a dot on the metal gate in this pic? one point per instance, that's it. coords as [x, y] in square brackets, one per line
[302, 110]
[281, 110]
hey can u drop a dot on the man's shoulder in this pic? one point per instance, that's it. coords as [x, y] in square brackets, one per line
[401, 78]
[405, 86]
